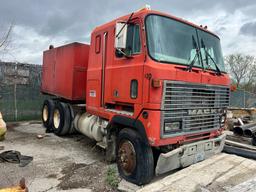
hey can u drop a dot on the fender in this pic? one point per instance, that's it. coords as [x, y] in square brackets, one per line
[127, 123]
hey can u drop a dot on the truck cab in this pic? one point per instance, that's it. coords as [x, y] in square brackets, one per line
[156, 93]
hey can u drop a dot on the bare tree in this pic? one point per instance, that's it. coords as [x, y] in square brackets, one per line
[5, 39]
[242, 68]
[251, 76]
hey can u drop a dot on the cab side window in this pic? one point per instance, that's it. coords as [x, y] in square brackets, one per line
[133, 43]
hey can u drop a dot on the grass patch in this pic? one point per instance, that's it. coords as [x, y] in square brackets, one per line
[112, 177]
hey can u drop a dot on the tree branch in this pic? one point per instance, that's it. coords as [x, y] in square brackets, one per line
[5, 38]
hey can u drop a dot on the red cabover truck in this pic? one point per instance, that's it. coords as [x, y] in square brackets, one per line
[151, 89]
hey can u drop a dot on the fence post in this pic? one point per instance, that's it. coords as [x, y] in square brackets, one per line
[244, 99]
[15, 102]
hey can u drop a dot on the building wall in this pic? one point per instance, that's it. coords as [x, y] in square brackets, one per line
[19, 73]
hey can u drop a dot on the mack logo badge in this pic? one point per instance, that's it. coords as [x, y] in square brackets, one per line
[203, 111]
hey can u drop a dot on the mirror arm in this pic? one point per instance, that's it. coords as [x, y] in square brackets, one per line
[128, 56]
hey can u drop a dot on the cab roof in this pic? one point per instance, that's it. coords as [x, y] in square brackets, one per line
[142, 13]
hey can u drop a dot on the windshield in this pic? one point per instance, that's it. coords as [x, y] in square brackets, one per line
[171, 41]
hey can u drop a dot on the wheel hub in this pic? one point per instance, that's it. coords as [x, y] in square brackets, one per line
[56, 118]
[127, 157]
[45, 113]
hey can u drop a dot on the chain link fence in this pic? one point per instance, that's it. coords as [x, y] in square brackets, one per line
[21, 102]
[24, 102]
[242, 99]
[20, 97]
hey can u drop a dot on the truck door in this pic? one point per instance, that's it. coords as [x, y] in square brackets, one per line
[124, 75]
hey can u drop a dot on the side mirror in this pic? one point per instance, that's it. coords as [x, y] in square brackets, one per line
[120, 35]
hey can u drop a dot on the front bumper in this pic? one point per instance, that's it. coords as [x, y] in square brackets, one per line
[189, 154]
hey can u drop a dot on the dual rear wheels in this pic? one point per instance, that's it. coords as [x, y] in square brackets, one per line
[47, 110]
[57, 117]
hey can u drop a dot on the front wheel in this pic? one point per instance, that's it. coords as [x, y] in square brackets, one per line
[134, 157]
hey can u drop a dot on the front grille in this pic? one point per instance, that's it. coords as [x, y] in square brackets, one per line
[198, 107]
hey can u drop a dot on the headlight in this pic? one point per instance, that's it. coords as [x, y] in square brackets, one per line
[222, 120]
[172, 126]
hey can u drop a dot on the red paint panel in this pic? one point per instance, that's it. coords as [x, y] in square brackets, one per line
[48, 71]
[213, 79]
[65, 71]
[93, 92]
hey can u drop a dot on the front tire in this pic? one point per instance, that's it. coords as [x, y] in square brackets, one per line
[134, 157]
[61, 119]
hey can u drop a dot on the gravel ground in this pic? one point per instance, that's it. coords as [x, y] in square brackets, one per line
[71, 163]
[75, 163]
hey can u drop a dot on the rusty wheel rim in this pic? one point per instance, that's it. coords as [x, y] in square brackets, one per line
[127, 157]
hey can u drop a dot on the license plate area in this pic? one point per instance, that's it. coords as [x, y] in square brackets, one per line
[199, 157]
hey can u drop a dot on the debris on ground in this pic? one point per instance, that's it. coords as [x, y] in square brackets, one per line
[21, 188]
[241, 133]
[2, 128]
[73, 164]
[41, 136]
[15, 157]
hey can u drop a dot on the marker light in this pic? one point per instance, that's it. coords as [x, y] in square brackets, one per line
[156, 83]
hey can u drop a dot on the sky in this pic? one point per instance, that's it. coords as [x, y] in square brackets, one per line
[39, 23]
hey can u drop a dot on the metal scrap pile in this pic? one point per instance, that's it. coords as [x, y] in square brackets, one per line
[246, 130]
[241, 135]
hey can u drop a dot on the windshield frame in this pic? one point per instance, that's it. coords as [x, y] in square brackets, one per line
[202, 64]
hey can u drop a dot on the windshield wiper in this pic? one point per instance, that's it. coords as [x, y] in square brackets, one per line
[125, 25]
[117, 35]
[191, 64]
[209, 55]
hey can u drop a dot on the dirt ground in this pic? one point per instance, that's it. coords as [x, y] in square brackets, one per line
[71, 163]
[76, 164]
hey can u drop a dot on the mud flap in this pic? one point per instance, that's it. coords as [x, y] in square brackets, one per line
[189, 154]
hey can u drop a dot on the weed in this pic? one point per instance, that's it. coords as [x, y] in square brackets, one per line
[112, 177]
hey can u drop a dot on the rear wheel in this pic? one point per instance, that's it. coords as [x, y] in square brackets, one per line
[72, 129]
[61, 119]
[47, 113]
[134, 158]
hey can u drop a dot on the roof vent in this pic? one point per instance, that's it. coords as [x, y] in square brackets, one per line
[146, 7]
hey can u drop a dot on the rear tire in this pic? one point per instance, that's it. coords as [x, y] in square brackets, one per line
[47, 113]
[135, 160]
[61, 119]
[72, 129]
